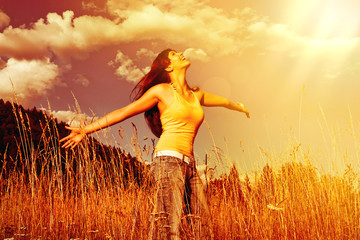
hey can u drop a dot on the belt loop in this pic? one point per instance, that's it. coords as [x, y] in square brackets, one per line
[181, 162]
[184, 159]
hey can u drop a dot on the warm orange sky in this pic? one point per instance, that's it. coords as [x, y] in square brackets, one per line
[294, 64]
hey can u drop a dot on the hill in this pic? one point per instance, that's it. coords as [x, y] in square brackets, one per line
[29, 137]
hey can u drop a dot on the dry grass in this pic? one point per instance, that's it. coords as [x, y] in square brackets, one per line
[293, 201]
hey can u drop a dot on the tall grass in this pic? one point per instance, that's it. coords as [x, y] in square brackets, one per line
[77, 194]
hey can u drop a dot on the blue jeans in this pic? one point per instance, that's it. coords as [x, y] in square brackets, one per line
[177, 183]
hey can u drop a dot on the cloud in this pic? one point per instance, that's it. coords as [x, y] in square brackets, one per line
[210, 29]
[82, 80]
[207, 32]
[219, 33]
[73, 119]
[332, 75]
[4, 20]
[127, 68]
[313, 55]
[31, 79]
[196, 54]
[146, 69]
[91, 6]
[279, 38]
[65, 36]
[143, 52]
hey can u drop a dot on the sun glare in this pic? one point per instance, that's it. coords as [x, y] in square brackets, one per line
[325, 18]
[337, 19]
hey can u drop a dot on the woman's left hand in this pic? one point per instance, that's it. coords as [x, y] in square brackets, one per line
[76, 135]
[243, 109]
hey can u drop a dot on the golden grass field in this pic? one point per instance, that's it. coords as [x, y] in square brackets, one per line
[293, 201]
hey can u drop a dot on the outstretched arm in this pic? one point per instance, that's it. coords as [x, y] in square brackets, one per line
[146, 102]
[211, 100]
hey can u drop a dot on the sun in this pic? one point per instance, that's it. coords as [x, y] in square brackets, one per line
[325, 18]
[338, 19]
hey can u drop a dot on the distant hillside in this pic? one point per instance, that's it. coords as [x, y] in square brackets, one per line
[31, 136]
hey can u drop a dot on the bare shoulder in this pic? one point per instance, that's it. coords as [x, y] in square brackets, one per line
[163, 93]
[160, 90]
[198, 92]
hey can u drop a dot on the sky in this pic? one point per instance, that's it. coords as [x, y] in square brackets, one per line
[294, 64]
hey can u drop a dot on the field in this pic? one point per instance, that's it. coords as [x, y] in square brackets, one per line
[57, 194]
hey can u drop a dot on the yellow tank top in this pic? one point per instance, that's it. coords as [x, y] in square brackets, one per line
[180, 122]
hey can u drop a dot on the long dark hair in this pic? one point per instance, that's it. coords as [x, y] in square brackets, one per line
[156, 76]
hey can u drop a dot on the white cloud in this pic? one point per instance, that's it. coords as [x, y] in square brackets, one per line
[82, 80]
[219, 33]
[127, 68]
[278, 37]
[213, 30]
[146, 69]
[143, 52]
[196, 54]
[4, 20]
[207, 32]
[31, 79]
[332, 75]
[63, 35]
[73, 119]
[91, 6]
[335, 52]
[207, 28]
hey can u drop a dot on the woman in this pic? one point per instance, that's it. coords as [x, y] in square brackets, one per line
[174, 113]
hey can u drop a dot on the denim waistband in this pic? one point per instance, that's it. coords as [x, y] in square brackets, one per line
[172, 153]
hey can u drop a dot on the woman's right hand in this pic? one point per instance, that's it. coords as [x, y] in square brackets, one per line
[76, 135]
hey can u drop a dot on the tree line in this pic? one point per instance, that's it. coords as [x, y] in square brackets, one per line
[30, 137]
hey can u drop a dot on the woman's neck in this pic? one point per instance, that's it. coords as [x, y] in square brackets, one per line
[178, 80]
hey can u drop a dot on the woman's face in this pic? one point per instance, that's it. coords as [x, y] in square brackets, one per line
[177, 60]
